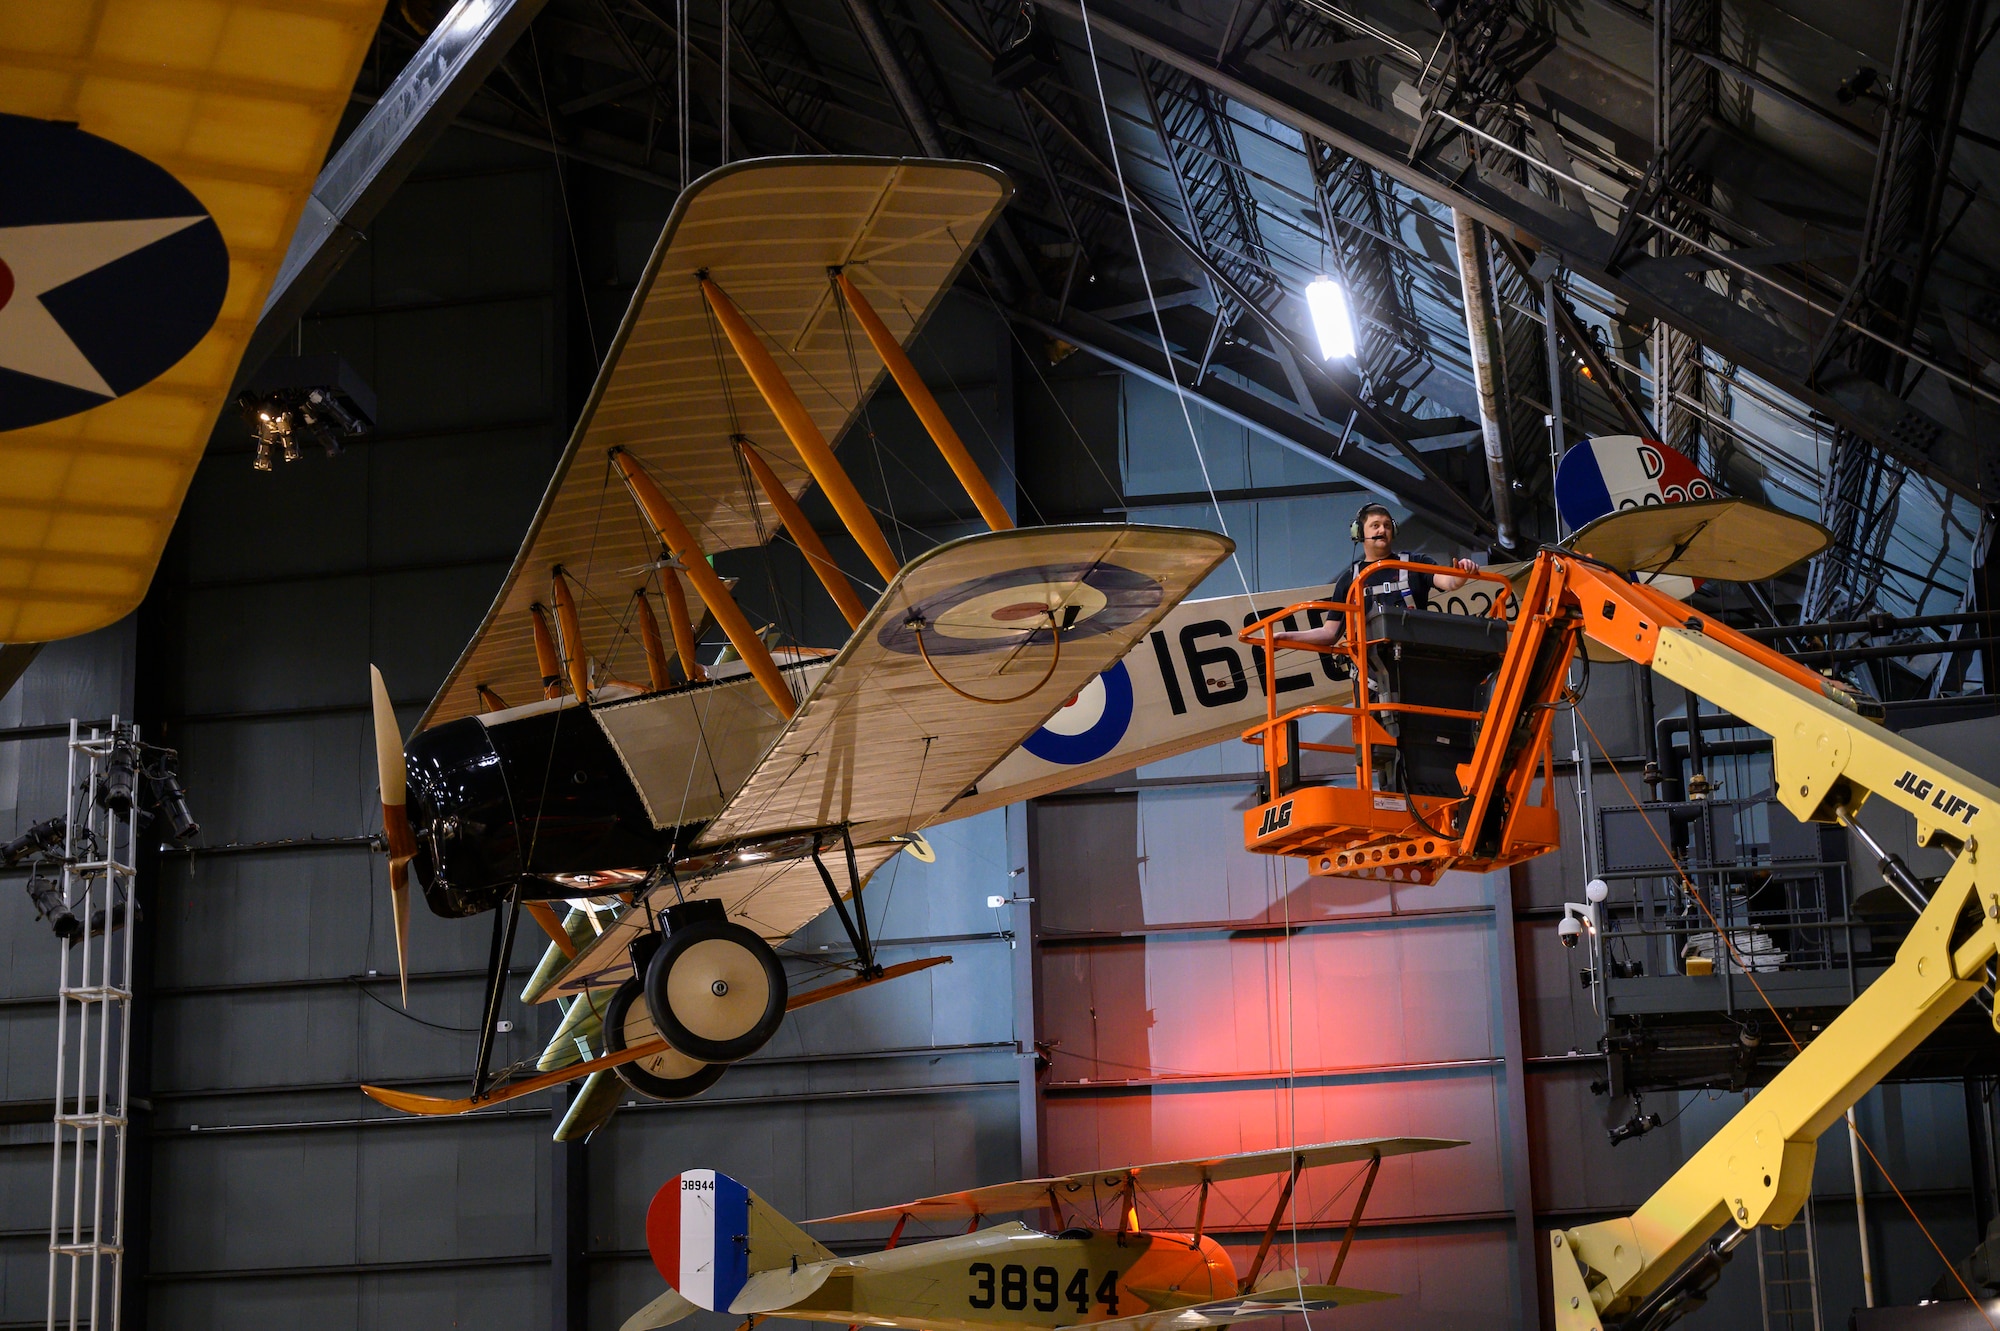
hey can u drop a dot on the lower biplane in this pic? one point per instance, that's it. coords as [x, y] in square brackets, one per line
[722, 1248]
[668, 820]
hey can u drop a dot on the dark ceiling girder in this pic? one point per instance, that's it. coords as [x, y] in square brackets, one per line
[1263, 412]
[896, 77]
[368, 166]
[1658, 287]
[1371, 419]
[1585, 347]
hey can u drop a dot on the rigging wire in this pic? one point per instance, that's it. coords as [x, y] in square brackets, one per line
[867, 421]
[1194, 439]
[1152, 300]
[1111, 486]
[978, 418]
[562, 188]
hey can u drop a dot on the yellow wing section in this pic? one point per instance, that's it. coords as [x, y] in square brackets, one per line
[1027, 1194]
[238, 101]
[672, 392]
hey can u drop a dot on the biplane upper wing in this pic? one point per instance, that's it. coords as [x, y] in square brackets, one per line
[1028, 1194]
[157, 160]
[672, 395]
[974, 645]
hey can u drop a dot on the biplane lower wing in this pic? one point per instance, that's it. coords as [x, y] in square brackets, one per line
[974, 645]
[1291, 1300]
[774, 897]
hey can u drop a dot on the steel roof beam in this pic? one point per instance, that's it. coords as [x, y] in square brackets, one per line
[1657, 287]
[1262, 411]
[466, 46]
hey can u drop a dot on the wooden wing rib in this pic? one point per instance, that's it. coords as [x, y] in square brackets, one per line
[889, 740]
[671, 394]
[87, 500]
[1002, 1198]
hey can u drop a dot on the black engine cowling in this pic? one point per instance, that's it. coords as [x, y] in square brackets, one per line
[522, 800]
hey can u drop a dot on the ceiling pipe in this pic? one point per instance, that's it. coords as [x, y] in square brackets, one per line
[1475, 272]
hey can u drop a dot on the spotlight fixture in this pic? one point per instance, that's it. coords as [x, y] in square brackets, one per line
[1030, 55]
[1638, 1125]
[1333, 320]
[295, 399]
[1861, 83]
[121, 773]
[170, 798]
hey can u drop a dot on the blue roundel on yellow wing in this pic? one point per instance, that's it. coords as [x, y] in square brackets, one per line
[110, 271]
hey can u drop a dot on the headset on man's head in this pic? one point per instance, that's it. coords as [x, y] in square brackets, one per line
[1354, 527]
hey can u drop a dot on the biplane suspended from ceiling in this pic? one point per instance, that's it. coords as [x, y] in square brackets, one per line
[722, 1248]
[154, 163]
[690, 814]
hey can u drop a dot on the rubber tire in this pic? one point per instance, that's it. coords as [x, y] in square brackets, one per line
[709, 1049]
[649, 1084]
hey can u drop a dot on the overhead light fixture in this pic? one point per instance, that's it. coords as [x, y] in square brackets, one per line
[1333, 320]
[295, 399]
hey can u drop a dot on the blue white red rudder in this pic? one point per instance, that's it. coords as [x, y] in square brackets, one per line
[1613, 472]
[698, 1230]
[709, 1234]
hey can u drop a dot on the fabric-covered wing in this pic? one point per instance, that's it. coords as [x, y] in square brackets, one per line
[889, 738]
[669, 1308]
[671, 393]
[236, 100]
[775, 897]
[1243, 1308]
[1027, 1194]
[1730, 539]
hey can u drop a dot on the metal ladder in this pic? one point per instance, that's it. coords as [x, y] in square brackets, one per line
[1788, 1274]
[93, 1047]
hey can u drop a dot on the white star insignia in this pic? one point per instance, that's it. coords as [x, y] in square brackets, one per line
[38, 259]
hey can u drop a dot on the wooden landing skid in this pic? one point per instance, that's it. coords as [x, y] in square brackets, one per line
[433, 1105]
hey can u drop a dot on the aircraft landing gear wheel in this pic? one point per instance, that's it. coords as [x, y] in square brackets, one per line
[716, 991]
[667, 1075]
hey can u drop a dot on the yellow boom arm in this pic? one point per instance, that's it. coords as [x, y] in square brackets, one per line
[1826, 760]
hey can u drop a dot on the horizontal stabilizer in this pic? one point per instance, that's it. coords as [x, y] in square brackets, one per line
[669, 1308]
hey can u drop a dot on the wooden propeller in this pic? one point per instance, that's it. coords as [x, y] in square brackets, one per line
[396, 834]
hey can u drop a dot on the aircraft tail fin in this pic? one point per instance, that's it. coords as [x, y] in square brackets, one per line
[709, 1234]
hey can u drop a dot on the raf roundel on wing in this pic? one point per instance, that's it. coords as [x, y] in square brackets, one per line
[1089, 725]
[110, 271]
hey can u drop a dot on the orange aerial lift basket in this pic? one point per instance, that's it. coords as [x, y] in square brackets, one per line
[1425, 794]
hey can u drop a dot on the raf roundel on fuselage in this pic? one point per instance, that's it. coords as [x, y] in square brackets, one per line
[110, 271]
